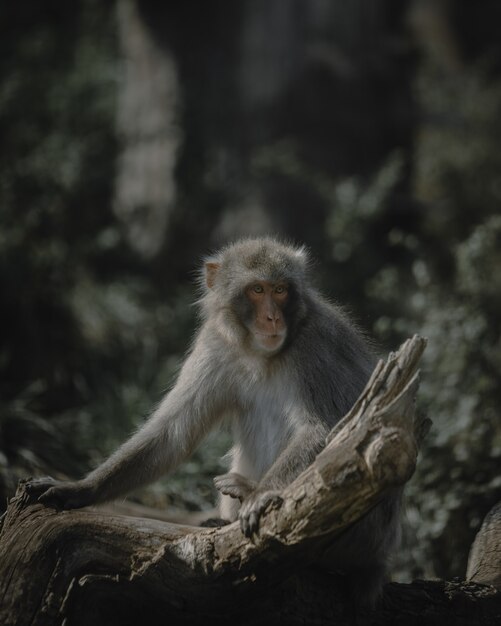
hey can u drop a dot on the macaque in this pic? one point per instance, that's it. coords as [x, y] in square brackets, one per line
[283, 364]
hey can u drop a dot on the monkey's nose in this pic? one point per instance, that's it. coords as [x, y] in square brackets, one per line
[272, 315]
[273, 320]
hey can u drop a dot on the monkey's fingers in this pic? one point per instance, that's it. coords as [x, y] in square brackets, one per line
[250, 525]
[234, 485]
[253, 508]
[57, 494]
[67, 496]
[55, 497]
[34, 487]
[232, 492]
[47, 491]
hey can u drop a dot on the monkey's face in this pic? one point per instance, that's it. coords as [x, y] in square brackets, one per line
[265, 320]
[255, 294]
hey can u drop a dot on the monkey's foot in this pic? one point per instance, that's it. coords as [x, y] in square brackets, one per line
[252, 509]
[215, 522]
[235, 485]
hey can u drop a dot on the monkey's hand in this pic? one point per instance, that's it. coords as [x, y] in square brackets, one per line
[59, 494]
[253, 507]
[235, 485]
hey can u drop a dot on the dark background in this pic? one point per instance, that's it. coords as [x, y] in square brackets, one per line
[137, 136]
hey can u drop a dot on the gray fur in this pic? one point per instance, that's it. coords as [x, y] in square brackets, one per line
[281, 406]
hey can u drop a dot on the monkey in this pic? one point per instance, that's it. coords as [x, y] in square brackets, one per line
[283, 365]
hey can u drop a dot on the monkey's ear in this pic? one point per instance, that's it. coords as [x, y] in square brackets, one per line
[211, 270]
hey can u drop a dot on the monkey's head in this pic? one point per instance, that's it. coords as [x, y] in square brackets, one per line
[255, 288]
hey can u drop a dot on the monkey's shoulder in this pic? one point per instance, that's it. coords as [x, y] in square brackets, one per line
[329, 330]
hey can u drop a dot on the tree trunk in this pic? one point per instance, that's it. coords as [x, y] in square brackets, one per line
[80, 567]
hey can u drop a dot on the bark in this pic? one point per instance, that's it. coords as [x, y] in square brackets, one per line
[175, 515]
[484, 562]
[80, 567]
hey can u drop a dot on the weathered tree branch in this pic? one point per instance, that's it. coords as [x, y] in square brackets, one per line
[484, 562]
[80, 567]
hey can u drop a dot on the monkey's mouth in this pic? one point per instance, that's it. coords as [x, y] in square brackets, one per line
[269, 342]
[271, 337]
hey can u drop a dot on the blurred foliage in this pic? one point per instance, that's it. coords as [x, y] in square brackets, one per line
[83, 325]
[55, 169]
[440, 277]
[458, 299]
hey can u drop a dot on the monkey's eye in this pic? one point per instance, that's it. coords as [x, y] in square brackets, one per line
[257, 289]
[281, 289]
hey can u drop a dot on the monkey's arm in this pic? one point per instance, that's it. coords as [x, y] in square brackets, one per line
[166, 439]
[296, 456]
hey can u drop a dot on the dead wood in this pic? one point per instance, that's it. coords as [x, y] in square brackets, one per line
[484, 561]
[83, 567]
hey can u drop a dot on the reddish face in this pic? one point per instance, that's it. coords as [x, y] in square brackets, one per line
[268, 325]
